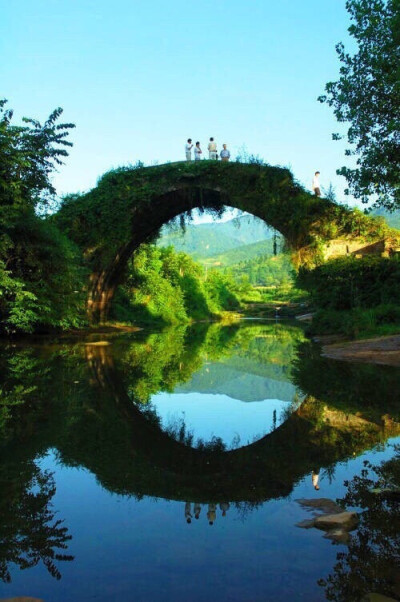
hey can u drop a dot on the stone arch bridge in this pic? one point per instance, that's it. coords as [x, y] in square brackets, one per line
[130, 205]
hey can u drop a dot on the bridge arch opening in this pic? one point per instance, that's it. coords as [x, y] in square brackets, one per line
[174, 208]
[186, 253]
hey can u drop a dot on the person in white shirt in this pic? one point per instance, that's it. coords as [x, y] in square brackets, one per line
[212, 149]
[188, 149]
[225, 154]
[197, 152]
[316, 185]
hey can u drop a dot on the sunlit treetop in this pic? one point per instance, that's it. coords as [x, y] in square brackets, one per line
[367, 95]
[29, 154]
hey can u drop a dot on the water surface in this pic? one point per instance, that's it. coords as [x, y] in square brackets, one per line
[167, 465]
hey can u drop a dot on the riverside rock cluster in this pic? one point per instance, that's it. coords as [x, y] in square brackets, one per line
[329, 517]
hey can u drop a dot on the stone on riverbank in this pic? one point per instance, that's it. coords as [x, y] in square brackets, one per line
[380, 350]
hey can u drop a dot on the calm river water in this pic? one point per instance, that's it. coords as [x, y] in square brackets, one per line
[167, 466]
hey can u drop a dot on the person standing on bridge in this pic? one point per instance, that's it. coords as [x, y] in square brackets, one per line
[316, 185]
[188, 149]
[197, 152]
[212, 149]
[225, 154]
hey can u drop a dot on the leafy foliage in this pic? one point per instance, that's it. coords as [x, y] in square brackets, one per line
[29, 154]
[380, 320]
[368, 96]
[265, 270]
[42, 281]
[347, 282]
[162, 285]
[41, 278]
[354, 296]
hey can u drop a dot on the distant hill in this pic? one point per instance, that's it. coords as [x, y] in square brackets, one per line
[208, 240]
[392, 219]
[265, 382]
[244, 245]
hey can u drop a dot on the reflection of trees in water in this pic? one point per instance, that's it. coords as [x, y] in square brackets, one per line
[244, 509]
[371, 563]
[28, 386]
[177, 430]
[348, 386]
[81, 408]
[164, 360]
[29, 532]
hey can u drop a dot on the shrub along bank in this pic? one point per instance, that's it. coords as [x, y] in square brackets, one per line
[164, 286]
[354, 296]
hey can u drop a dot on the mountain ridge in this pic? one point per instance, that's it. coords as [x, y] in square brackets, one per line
[213, 239]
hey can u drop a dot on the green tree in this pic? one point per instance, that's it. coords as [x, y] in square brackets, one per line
[41, 279]
[367, 95]
[28, 156]
[166, 286]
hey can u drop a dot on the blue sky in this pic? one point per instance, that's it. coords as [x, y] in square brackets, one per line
[139, 77]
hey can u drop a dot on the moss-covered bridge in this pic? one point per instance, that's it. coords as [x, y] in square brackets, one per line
[130, 205]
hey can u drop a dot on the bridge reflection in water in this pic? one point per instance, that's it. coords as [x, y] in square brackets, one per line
[91, 403]
[314, 435]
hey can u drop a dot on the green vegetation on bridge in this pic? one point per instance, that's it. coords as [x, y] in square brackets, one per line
[129, 206]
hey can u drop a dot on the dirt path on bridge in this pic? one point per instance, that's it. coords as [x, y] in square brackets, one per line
[381, 350]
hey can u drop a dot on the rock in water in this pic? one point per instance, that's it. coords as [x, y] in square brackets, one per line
[344, 520]
[338, 535]
[324, 504]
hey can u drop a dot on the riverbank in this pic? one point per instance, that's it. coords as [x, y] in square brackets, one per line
[380, 350]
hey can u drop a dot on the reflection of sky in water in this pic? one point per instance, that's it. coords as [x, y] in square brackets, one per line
[221, 416]
[130, 549]
[137, 547]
